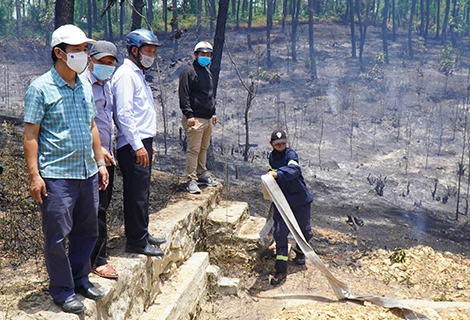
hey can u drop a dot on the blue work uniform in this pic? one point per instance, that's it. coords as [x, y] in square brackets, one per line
[291, 182]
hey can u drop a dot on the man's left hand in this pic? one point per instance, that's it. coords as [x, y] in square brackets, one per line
[103, 177]
[154, 155]
[214, 119]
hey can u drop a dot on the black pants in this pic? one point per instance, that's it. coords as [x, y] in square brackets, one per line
[98, 255]
[136, 180]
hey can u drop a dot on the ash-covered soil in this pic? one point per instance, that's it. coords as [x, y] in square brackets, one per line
[383, 146]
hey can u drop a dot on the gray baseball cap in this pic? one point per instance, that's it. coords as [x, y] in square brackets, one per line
[102, 49]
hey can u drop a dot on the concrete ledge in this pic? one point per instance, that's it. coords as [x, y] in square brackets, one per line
[140, 277]
[228, 216]
[251, 228]
[182, 294]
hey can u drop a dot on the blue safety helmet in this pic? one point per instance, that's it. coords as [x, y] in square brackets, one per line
[140, 37]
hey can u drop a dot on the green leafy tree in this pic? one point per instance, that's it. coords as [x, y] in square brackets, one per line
[447, 62]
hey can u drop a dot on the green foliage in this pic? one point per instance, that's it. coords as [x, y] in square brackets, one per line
[447, 60]
[420, 45]
[271, 77]
[376, 71]
[398, 255]
[20, 223]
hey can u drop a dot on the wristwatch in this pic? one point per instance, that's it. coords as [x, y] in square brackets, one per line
[100, 164]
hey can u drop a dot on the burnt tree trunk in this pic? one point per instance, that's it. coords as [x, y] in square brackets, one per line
[248, 32]
[150, 11]
[19, 18]
[63, 12]
[237, 22]
[284, 14]
[438, 18]
[136, 14]
[212, 14]
[385, 30]
[446, 22]
[249, 100]
[422, 19]
[295, 22]
[311, 46]
[410, 28]
[363, 23]
[122, 20]
[353, 29]
[199, 17]
[219, 40]
[269, 25]
[110, 26]
[426, 27]
[453, 34]
[394, 21]
[94, 21]
[174, 25]
[89, 15]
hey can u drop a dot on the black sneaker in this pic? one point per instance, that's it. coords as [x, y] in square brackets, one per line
[278, 278]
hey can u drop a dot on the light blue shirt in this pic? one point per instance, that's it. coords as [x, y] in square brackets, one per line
[64, 115]
[135, 113]
[103, 97]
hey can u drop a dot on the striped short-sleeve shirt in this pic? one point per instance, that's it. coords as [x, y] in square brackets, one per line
[64, 115]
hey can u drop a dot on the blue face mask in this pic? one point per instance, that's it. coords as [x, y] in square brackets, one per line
[204, 61]
[102, 71]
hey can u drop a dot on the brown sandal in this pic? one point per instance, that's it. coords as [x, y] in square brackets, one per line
[105, 271]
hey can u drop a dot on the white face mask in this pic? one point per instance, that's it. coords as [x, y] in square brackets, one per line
[77, 61]
[146, 61]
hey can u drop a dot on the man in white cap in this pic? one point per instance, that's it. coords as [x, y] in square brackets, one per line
[66, 167]
[101, 66]
[197, 103]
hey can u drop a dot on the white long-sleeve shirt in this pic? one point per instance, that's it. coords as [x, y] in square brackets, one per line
[135, 113]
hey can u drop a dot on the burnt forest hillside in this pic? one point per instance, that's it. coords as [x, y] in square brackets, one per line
[388, 143]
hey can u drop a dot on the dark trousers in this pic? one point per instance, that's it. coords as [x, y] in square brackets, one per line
[136, 180]
[281, 231]
[69, 211]
[98, 255]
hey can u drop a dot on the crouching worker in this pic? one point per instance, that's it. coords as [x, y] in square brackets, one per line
[285, 168]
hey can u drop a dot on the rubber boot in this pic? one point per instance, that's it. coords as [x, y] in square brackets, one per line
[281, 272]
[299, 256]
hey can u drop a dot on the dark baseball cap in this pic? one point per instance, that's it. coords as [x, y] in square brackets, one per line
[103, 49]
[278, 136]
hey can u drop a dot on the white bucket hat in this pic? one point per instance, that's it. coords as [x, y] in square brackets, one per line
[69, 34]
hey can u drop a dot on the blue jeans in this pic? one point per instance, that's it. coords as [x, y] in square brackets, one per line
[69, 211]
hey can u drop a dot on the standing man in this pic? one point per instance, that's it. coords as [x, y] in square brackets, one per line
[101, 65]
[136, 120]
[197, 102]
[66, 167]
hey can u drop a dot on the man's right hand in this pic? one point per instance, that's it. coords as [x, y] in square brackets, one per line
[37, 187]
[142, 157]
[191, 122]
[108, 159]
